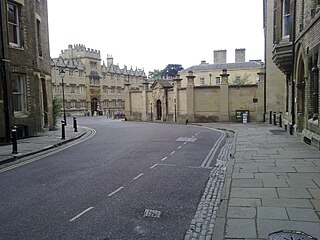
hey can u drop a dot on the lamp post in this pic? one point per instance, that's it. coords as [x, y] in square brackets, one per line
[175, 108]
[61, 73]
[151, 109]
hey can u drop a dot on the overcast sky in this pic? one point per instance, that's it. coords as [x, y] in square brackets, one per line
[150, 34]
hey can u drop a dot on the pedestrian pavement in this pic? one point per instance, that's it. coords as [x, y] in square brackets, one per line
[272, 181]
[44, 141]
[272, 184]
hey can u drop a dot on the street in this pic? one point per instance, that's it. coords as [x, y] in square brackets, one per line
[132, 180]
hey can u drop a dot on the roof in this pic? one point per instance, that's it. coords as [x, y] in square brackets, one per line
[162, 83]
[228, 66]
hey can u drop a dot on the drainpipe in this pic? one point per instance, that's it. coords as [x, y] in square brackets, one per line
[292, 74]
[4, 75]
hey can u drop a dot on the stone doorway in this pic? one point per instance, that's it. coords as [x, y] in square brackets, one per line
[159, 110]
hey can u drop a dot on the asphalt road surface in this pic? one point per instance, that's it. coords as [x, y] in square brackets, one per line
[131, 180]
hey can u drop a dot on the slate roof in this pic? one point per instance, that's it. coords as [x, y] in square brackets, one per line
[228, 66]
[163, 83]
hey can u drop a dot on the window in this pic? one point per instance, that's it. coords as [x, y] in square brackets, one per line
[202, 81]
[81, 89]
[18, 94]
[80, 73]
[275, 22]
[70, 72]
[217, 80]
[72, 89]
[73, 104]
[93, 65]
[13, 25]
[39, 38]
[237, 80]
[285, 18]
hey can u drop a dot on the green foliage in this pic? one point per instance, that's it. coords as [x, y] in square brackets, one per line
[155, 74]
[243, 80]
[56, 106]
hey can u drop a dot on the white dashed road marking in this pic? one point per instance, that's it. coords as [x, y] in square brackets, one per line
[80, 214]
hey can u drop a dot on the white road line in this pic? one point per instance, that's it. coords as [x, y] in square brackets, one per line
[138, 176]
[154, 166]
[114, 192]
[207, 161]
[179, 147]
[173, 152]
[184, 143]
[164, 159]
[80, 214]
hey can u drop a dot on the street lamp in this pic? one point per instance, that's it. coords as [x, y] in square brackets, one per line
[61, 73]
[151, 109]
[175, 108]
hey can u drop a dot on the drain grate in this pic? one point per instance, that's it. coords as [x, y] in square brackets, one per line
[151, 213]
[290, 235]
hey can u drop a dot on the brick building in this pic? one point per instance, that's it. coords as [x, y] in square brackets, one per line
[25, 83]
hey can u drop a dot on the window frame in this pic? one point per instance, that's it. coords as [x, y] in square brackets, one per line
[18, 97]
[14, 33]
[285, 19]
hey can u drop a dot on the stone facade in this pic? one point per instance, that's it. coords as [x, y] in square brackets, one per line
[89, 85]
[275, 79]
[26, 95]
[296, 54]
[171, 102]
[241, 72]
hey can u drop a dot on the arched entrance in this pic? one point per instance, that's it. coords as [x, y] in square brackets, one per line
[300, 96]
[94, 106]
[159, 110]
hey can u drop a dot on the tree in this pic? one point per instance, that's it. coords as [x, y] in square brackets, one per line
[56, 105]
[171, 70]
[155, 74]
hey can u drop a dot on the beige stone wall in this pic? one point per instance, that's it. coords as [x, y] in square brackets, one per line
[275, 79]
[200, 104]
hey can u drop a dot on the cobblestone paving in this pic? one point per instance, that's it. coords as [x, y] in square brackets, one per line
[202, 224]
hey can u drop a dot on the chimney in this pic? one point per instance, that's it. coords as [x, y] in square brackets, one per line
[109, 60]
[240, 55]
[220, 56]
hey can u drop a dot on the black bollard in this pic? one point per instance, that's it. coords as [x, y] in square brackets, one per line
[63, 133]
[270, 117]
[274, 118]
[280, 119]
[14, 140]
[75, 124]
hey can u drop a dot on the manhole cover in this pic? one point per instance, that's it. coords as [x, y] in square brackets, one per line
[151, 213]
[290, 235]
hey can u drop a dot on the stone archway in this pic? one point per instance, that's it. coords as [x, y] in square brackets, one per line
[300, 96]
[159, 109]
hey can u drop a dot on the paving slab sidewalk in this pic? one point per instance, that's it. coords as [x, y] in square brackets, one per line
[42, 142]
[272, 184]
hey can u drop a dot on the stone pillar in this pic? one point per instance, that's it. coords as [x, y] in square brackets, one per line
[190, 96]
[127, 97]
[144, 106]
[224, 97]
[176, 102]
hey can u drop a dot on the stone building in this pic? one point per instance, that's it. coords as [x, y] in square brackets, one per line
[25, 82]
[275, 94]
[89, 85]
[167, 102]
[241, 72]
[296, 42]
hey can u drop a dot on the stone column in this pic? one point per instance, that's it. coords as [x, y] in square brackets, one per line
[190, 96]
[176, 102]
[144, 106]
[224, 97]
[127, 97]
